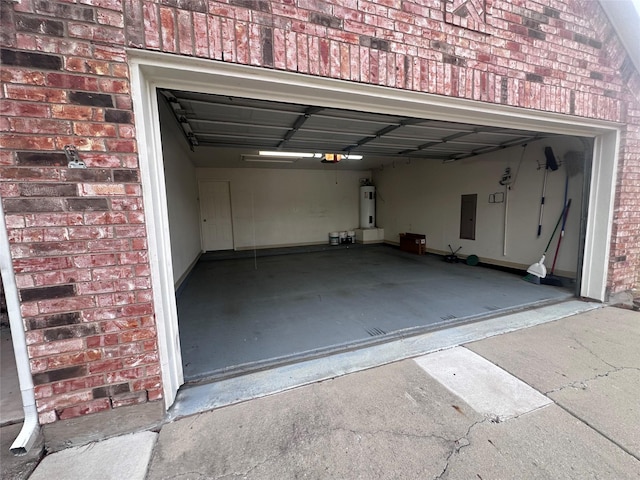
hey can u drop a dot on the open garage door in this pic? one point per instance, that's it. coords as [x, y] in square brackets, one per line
[419, 187]
[275, 179]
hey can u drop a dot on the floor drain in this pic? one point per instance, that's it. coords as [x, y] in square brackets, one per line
[448, 317]
[374, 332]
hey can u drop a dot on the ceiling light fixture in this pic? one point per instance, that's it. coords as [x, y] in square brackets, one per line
[253, 158]
[326, 157]
[336, 157]
[286, 154]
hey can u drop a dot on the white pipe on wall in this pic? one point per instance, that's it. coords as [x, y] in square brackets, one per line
[30, 428]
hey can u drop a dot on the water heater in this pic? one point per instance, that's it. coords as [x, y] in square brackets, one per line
[367, 207]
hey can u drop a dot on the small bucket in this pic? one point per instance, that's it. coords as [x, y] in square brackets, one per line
[343, 237]
[351, 237]
[334, 238]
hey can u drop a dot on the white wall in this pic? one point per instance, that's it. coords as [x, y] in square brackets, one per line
[424, 197]
[287, 206]
[182, 195]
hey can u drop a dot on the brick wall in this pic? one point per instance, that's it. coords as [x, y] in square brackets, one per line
[78, 236]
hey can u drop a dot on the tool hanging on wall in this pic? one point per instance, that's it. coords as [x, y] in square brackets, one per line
[508, 182]
[551, 164]
[538, 270]
[552, 279]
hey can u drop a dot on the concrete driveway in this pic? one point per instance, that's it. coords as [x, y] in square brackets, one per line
[575, 416]
[554, 401]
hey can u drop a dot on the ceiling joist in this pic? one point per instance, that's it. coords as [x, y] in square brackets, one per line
[231, 122]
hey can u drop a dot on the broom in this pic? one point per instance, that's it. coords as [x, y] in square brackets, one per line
[537, 270]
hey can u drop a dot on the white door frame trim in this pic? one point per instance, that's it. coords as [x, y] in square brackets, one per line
[152, 70]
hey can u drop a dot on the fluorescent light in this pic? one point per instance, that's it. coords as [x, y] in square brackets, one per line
[249, 158]
[286, 154]
[335, 157]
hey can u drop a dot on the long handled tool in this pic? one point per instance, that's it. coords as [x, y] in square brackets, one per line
[537, 270]
[564, 222]
[552, 165]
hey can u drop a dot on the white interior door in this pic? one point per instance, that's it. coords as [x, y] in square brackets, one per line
[215, 216]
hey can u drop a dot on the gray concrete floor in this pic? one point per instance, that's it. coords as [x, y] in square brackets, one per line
[232, 314]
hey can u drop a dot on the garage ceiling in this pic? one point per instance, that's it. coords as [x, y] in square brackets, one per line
[248, 125]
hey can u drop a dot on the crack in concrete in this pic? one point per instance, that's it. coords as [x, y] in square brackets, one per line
[592, 352]
[582, 384]
[459, 445]
[246, 473]
[393, 433]
[356, 433]
[187, 475]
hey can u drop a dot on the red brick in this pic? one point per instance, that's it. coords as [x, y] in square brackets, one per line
[81, 143]
[42, 391]
[59, 361]
[202, 38]
[137, 335]
[185, 34]
[103, 340]
[143, 359]
[126, 375]
[74, 82]
[107, 245]
[52, 348]
[65, 305]
[93, 406]
[105, 366]
[138, 244]
[124, 146]
[35, 94]
[22, 109]
[128, 399]
[110, 18]
[96, 33]
[39, 264]
[76, 384]
[105, 218]
[73, 112]
[34, 337]
[120, 325]
[168, 29]
[130, 231]
[147, 383]
[47, 417]
[154, 394]
[94, 129]
[110, 85]
[26, 142]
[41, 126]
[101, 189]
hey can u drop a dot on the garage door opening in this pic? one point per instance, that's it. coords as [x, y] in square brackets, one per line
[257, 281]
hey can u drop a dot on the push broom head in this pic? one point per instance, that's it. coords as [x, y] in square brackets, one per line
[538, 269]
[552, 163]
